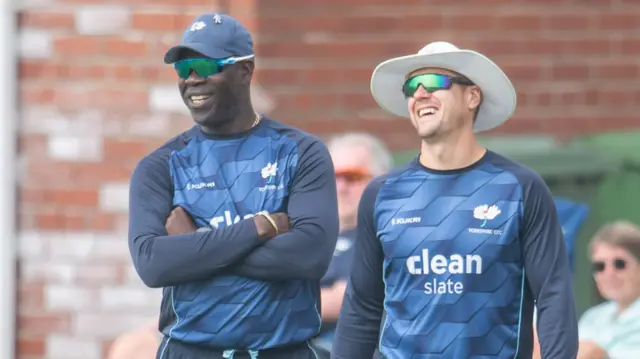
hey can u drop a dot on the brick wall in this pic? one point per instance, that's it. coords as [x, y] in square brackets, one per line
[96, 97]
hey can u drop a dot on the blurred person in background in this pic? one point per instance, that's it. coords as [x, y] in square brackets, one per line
[453, 247]
[612, 329]
[357, 158]
[138, 344]
[236, 218]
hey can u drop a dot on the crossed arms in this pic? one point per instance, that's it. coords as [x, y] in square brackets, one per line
[304, 252]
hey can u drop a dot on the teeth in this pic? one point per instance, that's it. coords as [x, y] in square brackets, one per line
[198, 98]
[427, 111]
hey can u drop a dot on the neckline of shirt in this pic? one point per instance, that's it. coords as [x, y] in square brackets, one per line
[420, 166]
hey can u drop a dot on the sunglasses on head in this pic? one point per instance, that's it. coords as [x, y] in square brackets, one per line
[432, 83]
[600, 266]
[204, 67]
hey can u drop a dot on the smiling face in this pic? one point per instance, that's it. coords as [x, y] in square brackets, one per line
[443, 110]
[214, 101]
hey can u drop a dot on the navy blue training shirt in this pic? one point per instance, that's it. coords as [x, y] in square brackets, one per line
[448, 265]
[223, 288]
[340, 265]
[339, 268]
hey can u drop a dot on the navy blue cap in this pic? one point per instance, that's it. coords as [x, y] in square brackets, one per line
[217, 36]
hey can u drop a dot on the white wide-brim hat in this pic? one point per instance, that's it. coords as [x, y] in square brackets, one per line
[498, 93]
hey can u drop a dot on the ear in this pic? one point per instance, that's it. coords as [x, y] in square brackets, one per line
[246, 71]
[474, 98]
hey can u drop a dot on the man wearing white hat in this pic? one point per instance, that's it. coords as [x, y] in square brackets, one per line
[455, 248]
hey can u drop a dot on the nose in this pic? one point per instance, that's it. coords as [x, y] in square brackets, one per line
[194, 79]
[421, 93]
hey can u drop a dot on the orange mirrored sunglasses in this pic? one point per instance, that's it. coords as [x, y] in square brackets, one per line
[353, 174]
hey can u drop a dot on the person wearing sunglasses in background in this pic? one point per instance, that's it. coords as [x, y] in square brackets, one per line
[453, 248]
[612, 329]
[236, 219]
[357, 158]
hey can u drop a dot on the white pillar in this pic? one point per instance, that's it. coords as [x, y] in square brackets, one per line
[8, 140]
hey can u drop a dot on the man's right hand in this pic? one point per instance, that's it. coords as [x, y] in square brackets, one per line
[266, 230]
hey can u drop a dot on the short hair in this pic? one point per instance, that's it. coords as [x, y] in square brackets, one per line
[622, 234]
[381, 159]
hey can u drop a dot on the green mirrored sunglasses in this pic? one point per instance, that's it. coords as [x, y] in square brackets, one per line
[431, 83]
[204, 67]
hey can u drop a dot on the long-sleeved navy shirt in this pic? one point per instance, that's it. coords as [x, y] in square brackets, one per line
[449, 264]
[223, 288]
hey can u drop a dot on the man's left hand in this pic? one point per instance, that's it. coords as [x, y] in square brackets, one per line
[179, 222]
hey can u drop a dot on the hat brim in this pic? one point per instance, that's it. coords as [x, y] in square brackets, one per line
[498, 94]
[174, 54]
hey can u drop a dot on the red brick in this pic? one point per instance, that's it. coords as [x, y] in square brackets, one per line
[100, 222]
[36, 69]
[525, 71]
[356, 75]
[588, 46]
[30, 296]
[124, 72]
[630, 46]
[32, 144]
[160, 21]
[82, 71]
[358, 101]
[89, 220]
[382, 24]
[27, 347]
[616, 70]
[540, 46]
[306, 102]
[619, 21]
[575, 71]
[119, 47]
[59, 221]
[125, 150]
[60, 174]
[42, 324]
[519, 22]
[321, 76]
[46, 19]
[498, 46]
[326, 51]
[39, 69]
[470, 22]
[568, 22]
[78, 45]
[615, 98]
[156, 74]
[34, 95]
[61, 197]
[570, 98]
[78, 96]
[277, 77]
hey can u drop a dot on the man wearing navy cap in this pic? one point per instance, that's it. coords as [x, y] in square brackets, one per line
[236, 218]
